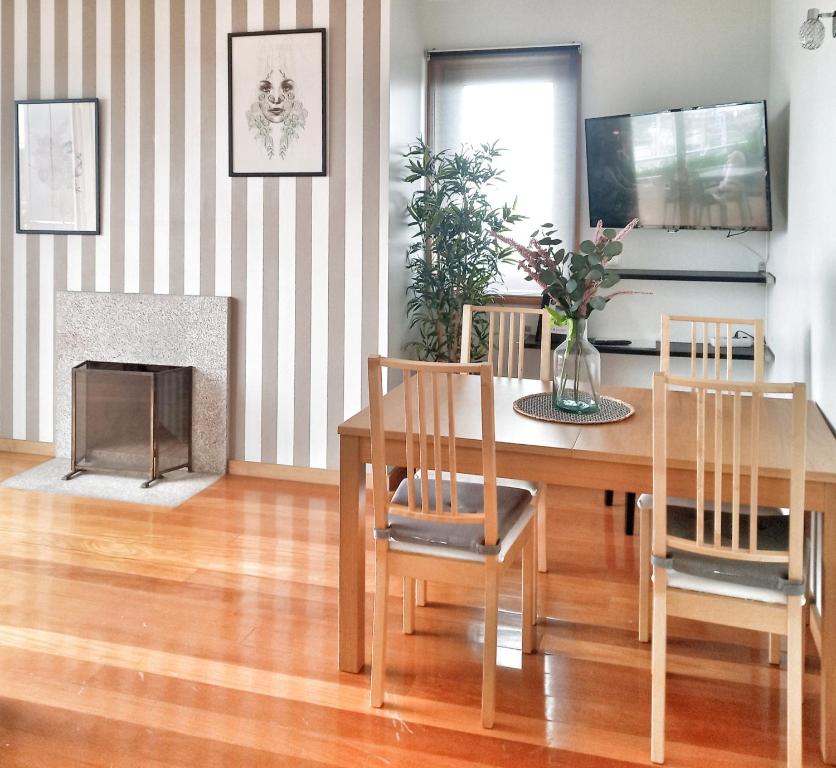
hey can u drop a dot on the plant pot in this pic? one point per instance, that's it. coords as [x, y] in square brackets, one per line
[577, 372]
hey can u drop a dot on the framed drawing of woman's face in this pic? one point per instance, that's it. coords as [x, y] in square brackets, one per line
[277, 103]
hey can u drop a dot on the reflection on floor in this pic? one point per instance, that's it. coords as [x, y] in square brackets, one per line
[206, 636]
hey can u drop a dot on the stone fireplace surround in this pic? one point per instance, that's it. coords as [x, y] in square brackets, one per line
[153, 329]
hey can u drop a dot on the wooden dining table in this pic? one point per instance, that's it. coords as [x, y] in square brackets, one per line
[615, 456]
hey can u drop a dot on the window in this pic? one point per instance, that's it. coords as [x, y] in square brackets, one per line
[527, 100]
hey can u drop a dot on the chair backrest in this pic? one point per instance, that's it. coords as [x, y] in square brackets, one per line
[706, 356]
[429, 438]
[506, 337]
[724, 428]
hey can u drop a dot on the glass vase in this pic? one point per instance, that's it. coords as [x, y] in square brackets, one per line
[577, 372]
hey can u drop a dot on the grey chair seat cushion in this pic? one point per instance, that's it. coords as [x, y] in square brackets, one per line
[773, 534]
[511, 504]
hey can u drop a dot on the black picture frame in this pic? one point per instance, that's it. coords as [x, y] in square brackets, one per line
[69, 176]
[248, 130]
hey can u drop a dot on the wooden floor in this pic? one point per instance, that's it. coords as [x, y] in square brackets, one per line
[206, 636]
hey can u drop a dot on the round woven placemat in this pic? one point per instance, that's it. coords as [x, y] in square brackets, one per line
[540, 406]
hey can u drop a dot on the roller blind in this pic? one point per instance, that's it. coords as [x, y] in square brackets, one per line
[527, 99]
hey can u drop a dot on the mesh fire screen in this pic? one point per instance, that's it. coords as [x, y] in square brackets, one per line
[129, 417]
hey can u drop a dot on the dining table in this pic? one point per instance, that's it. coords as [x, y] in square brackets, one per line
[612, 456]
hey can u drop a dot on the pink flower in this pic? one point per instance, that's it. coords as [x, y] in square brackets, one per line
[599, 232]
[527, 253]
[621, 235]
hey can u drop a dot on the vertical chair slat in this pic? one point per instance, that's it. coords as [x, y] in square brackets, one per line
[451, 445]
[491, 331]
[410, 437]
[521, 346]
[717, 347]
[660, 475]
[511, 340]
[798, 447]
[467, 330]
[718, 466]
[701, 467]
[736, 473]
[500, 363]
[545, 343]
[488, 458]
[380, 489]
[754, 465]
[729, 353]
[664, 344]
[759, 349]
[422, 441]
[437, 463]
[704, 350]
[693, 351]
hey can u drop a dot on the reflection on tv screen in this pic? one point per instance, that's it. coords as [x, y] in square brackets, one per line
[698, 168]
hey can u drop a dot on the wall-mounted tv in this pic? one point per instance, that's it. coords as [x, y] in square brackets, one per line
[694, 168]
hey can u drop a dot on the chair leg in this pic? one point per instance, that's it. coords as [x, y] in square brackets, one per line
[408, 605]
[608, 498]
[774, 649]
[421, 593]
[629, 513]
[489, 651]
[381, 594]
[645, 540]
[542, 556]
[658, 664]
[529, 577]
[795, 680]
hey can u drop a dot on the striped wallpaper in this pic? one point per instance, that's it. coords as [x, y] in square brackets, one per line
[302, 257]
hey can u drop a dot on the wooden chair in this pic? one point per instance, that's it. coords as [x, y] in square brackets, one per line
[707, 364]
[505, 337]
[443, 529]
[727, 567]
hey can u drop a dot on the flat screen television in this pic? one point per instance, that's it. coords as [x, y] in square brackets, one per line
[690, 168]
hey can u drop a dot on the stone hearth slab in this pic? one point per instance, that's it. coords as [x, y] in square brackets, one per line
[172, 491]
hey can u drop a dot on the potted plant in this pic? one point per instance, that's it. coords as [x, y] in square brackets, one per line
[453, 258]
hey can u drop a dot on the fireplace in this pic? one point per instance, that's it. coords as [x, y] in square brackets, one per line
[131, 418]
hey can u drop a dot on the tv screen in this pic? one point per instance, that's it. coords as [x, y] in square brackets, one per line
[698, 168]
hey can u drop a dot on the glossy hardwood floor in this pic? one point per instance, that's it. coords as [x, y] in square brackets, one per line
[206, 636]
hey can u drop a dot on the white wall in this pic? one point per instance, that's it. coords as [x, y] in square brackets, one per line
[641, 57]
[406, 123]
[802, 305]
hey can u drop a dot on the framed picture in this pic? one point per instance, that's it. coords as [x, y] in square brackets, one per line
[57, 166]
[277, 103]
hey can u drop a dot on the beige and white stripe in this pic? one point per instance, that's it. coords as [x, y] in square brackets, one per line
[301, 256]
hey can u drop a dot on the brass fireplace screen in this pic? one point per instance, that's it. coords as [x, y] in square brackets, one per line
[130, 417]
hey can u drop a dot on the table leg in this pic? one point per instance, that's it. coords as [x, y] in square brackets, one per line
[352, 580]
[629, 513]
[828, 629]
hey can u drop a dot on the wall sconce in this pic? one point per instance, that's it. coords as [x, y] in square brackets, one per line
[811, 33]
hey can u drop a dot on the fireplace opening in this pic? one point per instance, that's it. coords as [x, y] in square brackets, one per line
[131, 418]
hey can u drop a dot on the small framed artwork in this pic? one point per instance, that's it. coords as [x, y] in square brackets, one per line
[57, 166]
[277, 103]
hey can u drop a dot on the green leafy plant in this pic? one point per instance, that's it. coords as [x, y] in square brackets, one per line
[453, 257]
[571, 280]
